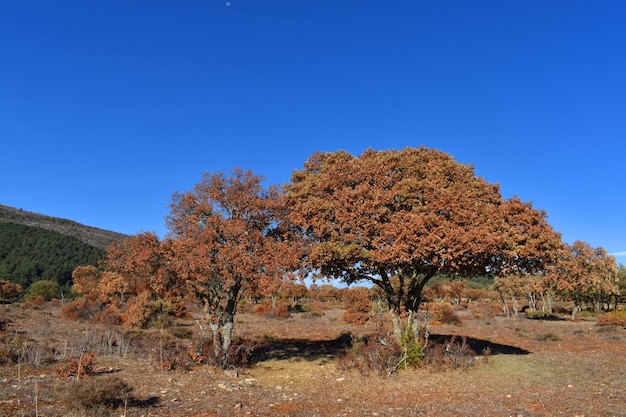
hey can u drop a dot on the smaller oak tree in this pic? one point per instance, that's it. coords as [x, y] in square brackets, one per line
[587, 274]
[228, 237]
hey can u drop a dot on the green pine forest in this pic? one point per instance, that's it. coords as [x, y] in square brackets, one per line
[29, 254]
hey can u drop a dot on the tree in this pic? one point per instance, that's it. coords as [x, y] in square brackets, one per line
[587, 274]
[228, 237]
[9, 290]
[621, 284]
[144, 263]
[408, 215]
[44, 288]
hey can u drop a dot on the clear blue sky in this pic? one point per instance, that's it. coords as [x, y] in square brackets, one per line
[107, 107]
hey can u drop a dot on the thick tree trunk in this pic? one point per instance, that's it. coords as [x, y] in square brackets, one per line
[222, 336]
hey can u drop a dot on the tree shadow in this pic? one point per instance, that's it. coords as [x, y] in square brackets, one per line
[143, 403]
[304, 349]
[480, 345]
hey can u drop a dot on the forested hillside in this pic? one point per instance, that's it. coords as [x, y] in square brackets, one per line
[93, 236]
[29, 254]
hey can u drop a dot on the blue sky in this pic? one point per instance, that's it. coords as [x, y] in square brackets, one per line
[109, 107]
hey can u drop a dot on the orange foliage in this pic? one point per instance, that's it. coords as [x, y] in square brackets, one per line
[411, 214]
[9, 289]
[228, 235]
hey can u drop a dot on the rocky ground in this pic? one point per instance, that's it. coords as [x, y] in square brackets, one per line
[534, 368]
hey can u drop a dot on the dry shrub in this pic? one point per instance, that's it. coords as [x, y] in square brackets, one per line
[443, 313]
[369, 355]
[355, 317]
[36, 301]
[109, 316]
[84, 365]
[453, 353]
[81, 310]
[279, 311]
[319, 306]
[612, 318]
[485, 309]
[98, 394]
[11, 347]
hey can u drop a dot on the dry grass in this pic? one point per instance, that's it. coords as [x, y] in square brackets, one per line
[536, 368]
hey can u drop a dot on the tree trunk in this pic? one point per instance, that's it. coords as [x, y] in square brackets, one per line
[505, 307]
[515, 307]
[576, 308]
[222, 336]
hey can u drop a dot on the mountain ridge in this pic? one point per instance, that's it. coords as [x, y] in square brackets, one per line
[94, 236]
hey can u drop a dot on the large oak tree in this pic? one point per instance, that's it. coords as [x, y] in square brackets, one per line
[396, 218]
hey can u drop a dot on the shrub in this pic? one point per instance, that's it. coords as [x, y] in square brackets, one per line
[411, 348]
[279, 311]
[109, 316]
[95, 394]
[382, 354]
[443, 313]
[355, 317]
[84, 365]
[453, 353]
[81, 309]
[371, 354]
[11, 347]
[612, 318]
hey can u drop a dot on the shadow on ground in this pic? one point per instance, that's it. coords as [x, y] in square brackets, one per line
[303, 349]
[480, 345]
[330, 349]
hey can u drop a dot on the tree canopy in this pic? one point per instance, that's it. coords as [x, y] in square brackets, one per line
[396, 218]
[586, 273]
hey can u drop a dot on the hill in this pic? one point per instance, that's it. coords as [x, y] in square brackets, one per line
[92, 236]
[29, 254]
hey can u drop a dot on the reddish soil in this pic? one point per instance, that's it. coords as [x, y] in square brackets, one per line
[536, 368]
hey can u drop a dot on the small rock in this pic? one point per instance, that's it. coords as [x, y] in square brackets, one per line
[248, 382]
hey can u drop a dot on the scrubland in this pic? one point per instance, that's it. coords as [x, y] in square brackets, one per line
[293, 366]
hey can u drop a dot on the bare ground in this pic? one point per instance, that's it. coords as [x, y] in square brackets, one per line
[536, 368]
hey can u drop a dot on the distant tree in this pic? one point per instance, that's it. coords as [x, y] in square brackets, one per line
[621, 284]
[327, 292]
[294, 291]
[45, 288]
[587, 274]
[228, 237]
[143, 262]
[357, 303]
[409, 214]
[9, 290]
[133, 277]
